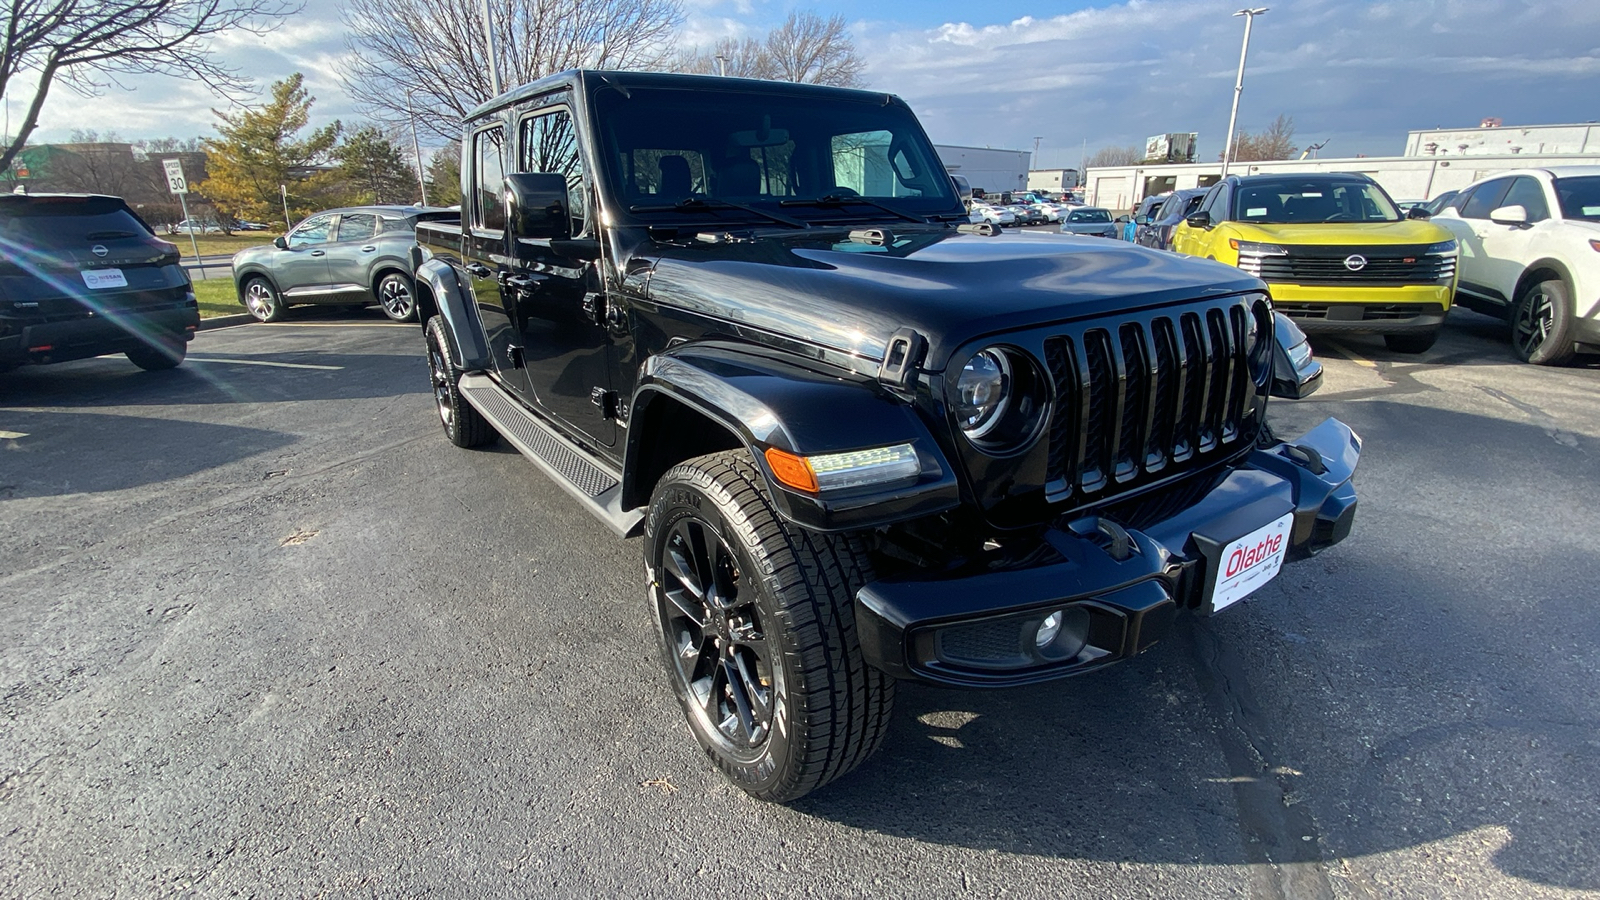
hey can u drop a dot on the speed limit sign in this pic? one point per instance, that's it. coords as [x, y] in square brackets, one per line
[175, 179]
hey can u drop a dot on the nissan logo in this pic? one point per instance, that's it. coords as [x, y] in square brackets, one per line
[1355, 262]
[99, 250]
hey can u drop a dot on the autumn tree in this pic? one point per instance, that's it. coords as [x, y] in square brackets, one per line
[87, 46]
[805, 48]
[1276, 142]
[374, 169]
[435, 50]
[258, 149]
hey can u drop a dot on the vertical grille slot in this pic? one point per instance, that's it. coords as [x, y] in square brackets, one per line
[1094, 465]
[1222, 363]
[1134, 407]
[1066, 435]
[1165, 377]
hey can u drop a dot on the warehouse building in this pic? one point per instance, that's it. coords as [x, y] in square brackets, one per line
[988, 170]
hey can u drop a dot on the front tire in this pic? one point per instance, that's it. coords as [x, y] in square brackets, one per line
[1411, 341]
[396, 297]
[263, 300]
[757, 626]
[1541, 324]
[463, 424]
[165, 353]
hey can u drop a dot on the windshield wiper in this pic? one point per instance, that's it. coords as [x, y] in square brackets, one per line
[693, 203]
[107, 235]
[847, 199]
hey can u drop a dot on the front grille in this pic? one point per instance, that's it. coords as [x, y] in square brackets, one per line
[1329, 266]
[1369, 313]
[1136, 400]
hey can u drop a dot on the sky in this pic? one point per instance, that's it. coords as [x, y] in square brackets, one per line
[1075, 74]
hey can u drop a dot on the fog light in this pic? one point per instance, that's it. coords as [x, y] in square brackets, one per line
[1048, 630]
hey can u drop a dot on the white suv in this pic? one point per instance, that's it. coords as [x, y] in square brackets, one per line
[1530, 254]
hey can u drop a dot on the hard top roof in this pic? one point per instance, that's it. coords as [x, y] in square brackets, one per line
[595, 79]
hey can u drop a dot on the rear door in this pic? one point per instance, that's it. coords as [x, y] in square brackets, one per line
[350, 255]
[483, 251]
[1505, 247]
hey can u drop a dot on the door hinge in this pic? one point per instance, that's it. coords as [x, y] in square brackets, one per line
[606, 400]
[518, 360]
[594, 308]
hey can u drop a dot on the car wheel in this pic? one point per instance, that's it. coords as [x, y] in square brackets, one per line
[1411, 341]
[757, 626]
[1541, 324]
[165, 353]
[263, 301]
[396, 297]
[463, 424]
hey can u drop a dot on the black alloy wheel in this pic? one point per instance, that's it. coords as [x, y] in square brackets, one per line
[396, 298]
[757, 626]
[463, 424]
[1541, 324]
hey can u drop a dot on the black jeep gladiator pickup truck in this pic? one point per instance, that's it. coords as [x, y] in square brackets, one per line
[863, 439]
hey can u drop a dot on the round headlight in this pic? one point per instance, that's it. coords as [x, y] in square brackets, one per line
[982, 391]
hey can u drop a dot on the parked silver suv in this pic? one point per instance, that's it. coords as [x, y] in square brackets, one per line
[346, 257]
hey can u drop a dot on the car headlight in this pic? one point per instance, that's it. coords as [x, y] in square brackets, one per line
[982, 391]
[1255, 248]
[1443, 248]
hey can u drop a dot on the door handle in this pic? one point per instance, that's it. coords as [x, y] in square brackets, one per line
[368, 249]
[319, 253]
[477, 270]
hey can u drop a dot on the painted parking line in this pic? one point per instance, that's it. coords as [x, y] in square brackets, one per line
[11, 435]
[261, 362]
[1349, 354]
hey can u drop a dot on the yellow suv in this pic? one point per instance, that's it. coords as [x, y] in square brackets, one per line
[1335, 250]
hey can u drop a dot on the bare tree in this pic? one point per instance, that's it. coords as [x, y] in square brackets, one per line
[1276, 142]
[435, 49]
[87, 45]
[1116, 156]
[806, 48]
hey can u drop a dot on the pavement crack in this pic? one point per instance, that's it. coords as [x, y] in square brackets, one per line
[1537, 416]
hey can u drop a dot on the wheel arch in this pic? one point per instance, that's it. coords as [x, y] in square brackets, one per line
[254, 271]
[385, 268]
[1542, 270]
[440, 293]
[728, 397]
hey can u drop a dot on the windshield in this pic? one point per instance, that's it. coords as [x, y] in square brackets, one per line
[1088, 215]
[1580, 197]
[662, 146]
[1290, 201]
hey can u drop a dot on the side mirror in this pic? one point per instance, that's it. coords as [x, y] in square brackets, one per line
[1141, 220]
[1510, 215]
[537, 207]
[281, 242]
[963, 187]
[1199, 220]
[1417, 212]
[1295, 374]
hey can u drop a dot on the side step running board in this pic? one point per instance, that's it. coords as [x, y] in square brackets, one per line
[579, 474]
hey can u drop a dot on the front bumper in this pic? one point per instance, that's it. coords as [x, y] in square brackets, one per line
[1116, 590]
[1363, 310]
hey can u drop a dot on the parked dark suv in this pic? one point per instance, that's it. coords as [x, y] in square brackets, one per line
[344, 257]
[862, 439]
[82, 275]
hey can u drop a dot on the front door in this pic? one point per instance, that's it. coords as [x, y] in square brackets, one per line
[555, 297]
[351, 253]
[483, 254]
[302, 270]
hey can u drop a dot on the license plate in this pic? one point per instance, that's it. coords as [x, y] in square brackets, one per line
[99, 279]
[1250, 562]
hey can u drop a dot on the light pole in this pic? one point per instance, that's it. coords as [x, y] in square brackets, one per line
[488, 40]
[1238, 84]
[416, 147]
[722, 66]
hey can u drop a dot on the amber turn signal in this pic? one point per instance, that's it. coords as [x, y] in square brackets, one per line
[792, 470]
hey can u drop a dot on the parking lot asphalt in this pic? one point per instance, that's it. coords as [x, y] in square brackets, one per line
[267, 633]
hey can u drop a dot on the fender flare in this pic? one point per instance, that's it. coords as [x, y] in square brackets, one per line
[768, 402]
[455, 304]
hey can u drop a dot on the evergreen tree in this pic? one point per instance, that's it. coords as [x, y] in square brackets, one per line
[258, 150]
[444, 176]
[374, 169]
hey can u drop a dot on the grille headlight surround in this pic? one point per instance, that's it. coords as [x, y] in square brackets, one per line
[983, 390]
[1444, 248]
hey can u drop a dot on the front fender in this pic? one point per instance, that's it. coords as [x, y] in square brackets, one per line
[770, 402]
[455, 305]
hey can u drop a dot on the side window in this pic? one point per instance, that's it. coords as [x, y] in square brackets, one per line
[356, 226]
[1217, 204]
[387, 225]
[1485, 199]
[488, 177]
[549, 143]
[1529, 194]
[312, 231]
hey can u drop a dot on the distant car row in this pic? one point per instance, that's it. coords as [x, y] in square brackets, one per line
[1341, 256]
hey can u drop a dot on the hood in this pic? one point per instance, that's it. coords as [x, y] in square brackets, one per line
[1405, 231]
[951, 287]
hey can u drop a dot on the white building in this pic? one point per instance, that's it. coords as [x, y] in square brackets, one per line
[1052, 180]
[1496, 140]
[1404, 177]
[988, 170]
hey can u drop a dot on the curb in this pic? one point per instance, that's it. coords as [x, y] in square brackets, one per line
[226, 321]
